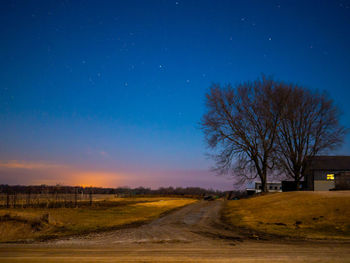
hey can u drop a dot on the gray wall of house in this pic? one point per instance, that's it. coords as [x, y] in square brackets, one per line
[320, 182]
[322, 185]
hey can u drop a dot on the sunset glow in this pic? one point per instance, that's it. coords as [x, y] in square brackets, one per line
[98, 179]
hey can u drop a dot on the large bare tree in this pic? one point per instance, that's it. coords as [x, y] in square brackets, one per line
[309, 126]
[241, 125]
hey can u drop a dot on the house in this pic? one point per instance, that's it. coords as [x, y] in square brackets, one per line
[271, 187]
[328, 173]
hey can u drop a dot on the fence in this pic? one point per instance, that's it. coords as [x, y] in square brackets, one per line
[13, 199]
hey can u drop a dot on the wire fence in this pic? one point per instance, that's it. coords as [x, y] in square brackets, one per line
[46, 200]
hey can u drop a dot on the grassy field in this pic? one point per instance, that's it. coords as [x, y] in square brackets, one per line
[109, 213]
[318, 215]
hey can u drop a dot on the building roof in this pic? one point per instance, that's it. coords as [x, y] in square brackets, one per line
[335, 163]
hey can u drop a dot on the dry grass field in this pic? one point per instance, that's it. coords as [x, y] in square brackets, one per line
[318, 215]
[107, 213]
[193, 233]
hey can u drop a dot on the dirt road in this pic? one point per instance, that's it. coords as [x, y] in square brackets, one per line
[191, 234]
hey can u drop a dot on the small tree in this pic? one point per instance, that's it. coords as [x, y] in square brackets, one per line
[241, 124]
[309, 126]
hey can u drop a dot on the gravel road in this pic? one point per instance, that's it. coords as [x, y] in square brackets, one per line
[191, 234]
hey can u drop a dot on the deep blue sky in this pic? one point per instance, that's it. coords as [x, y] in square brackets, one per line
[111, 92]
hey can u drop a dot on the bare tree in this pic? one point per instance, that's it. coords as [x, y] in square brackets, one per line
[241, 125]
[309, 126]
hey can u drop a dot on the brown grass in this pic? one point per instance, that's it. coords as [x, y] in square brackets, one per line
[319, 215]
[41, 223]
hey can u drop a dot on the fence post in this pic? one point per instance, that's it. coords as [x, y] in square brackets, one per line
[56, 198]
[8, 199]
[75, 197]
[14, 199]
[28, 198]
[90, 196]
[65, 196]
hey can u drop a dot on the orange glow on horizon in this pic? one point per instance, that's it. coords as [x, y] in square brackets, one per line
[52, 174]
[95, 179]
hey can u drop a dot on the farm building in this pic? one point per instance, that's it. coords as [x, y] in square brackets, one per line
[271, 187]
[327, 173]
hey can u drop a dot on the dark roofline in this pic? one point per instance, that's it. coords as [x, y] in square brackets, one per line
[330, 163]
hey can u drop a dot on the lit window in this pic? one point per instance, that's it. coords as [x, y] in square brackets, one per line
[330, 176]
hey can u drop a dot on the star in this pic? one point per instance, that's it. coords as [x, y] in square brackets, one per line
[270, 38]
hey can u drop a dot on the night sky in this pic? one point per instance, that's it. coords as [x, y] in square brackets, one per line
[111, 93]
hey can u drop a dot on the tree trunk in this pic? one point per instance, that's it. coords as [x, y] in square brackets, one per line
[297, 183]
[263, 184]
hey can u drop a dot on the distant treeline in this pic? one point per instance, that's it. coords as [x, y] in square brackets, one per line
[121, 191]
